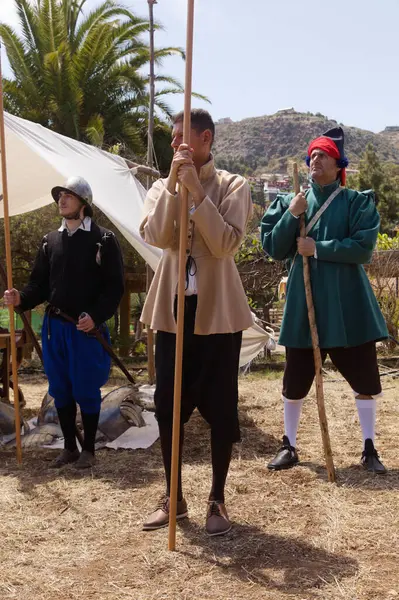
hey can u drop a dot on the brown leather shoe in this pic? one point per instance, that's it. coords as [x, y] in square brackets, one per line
[217, 519]
[87, 460]
[160, 517]
[65, 458]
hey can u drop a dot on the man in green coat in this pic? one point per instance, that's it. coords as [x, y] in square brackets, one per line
[342, 228]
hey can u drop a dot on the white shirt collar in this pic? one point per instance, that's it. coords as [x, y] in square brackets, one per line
[85, 225]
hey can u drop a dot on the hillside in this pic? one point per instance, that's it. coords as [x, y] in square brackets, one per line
[391, 135]
[265, 143]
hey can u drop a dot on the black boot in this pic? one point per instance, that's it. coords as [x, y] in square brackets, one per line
[90, 423]
[370, 459]
[67, 420]
[285, 458]
[165, 435]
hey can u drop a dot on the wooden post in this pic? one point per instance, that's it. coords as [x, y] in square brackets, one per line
[125, 321]
[316, 349]
[6, 383]
[150, 145]
[181, 285]
[150, 337]
[31, 334]
[7, 238]
[28, 348]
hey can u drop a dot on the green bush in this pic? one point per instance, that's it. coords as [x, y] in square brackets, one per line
[384, 242]
[140, 349]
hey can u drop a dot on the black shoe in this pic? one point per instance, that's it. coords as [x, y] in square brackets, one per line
[370, 459]
[285, 458]
[86, 460]
[65, 458]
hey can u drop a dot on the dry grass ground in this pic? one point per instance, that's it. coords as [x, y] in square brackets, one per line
[69, 536]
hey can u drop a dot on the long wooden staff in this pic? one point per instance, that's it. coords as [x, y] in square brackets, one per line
[7, 238]
[316, 349]
[181, 286]
[150, 146]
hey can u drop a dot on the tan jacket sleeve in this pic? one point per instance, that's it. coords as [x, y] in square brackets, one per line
[161, 210]
[223, 228]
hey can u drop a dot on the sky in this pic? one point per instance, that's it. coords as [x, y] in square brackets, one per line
[255, 57]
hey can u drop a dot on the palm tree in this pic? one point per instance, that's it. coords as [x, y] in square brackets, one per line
[81, 75]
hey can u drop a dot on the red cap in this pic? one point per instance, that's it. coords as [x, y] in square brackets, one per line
[329, 147]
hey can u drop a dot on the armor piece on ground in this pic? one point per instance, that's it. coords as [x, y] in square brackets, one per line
[120, 409]
[7, 420]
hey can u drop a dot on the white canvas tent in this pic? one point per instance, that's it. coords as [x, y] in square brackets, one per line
[38, 159]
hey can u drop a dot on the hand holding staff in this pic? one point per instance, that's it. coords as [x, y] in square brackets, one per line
[315, 343]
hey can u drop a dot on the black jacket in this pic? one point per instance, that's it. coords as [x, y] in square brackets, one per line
[78, 273]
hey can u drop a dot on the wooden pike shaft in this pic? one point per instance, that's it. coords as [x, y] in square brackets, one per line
[149, 272]
[181, 285]
[7, 238]
[316, 349]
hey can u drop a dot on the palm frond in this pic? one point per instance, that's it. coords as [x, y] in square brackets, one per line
[95, 130]
[83, 73]
[18, 58]
[30, 25]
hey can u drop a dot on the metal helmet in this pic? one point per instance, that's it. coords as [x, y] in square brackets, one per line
[79, 188]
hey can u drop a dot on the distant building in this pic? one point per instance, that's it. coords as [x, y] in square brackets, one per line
[271, 194]
[286, 111]
[225, 120]
[278, 183]
[274, 176]
[275, 183]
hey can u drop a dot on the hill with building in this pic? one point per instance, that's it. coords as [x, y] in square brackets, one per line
[269, 143]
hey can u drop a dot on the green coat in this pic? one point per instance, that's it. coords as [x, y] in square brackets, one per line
[347, 312]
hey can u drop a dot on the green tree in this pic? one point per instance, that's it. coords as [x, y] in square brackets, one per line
[383, 178]
[82, 74]
[370, 170]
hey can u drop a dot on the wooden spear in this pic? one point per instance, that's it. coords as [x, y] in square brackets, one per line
[316, 349]
[7, 238]
[183, 193]
[149, 271]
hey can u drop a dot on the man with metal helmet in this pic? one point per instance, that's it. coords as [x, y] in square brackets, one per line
[79, 272]
[79, 189]
[341, 228]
